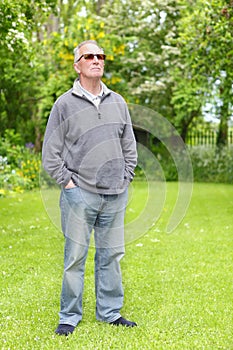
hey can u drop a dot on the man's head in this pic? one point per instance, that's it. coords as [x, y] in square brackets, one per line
[89, 60]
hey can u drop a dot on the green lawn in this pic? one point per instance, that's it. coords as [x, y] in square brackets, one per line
[178, 286]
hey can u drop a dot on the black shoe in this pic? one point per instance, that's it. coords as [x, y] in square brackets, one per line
[123, 322]
[64, 329]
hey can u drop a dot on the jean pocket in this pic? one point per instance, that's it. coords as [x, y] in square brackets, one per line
[70, 188]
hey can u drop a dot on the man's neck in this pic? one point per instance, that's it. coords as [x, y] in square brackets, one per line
[92, 86]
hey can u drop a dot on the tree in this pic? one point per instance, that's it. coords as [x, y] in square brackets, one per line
[144, 29]
[205, 38]
[20, 66]
[171, 56]
[152, 65]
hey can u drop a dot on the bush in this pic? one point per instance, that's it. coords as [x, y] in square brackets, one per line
[209, 164]
[19, 165]
[212, 164]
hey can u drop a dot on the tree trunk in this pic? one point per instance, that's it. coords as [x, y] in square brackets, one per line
[225, 92]
[222, 131]
[99, 6]
[186, 123]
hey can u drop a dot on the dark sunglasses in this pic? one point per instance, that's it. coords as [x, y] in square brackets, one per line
[90, 56]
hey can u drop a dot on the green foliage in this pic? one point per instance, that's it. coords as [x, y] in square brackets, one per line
[19, 165]
[21, 68]
[171, 56]
[212, 165]
[204, 72]
[145, 63]
[209, 164]
[178, 287]
[149, 55]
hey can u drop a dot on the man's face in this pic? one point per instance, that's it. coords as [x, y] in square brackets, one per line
[87, 68]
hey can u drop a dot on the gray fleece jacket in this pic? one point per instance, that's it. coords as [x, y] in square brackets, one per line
[95, 147]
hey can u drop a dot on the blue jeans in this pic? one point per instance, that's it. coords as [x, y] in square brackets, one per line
[82, 212]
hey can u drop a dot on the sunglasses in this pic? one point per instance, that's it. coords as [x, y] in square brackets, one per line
[90, 56]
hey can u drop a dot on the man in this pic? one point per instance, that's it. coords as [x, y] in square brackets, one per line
[89, 149]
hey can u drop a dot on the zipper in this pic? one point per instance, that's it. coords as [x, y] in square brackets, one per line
[97, 108]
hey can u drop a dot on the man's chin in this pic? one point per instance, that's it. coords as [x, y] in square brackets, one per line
[96, 74]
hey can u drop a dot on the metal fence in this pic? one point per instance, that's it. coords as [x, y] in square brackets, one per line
[206, 138]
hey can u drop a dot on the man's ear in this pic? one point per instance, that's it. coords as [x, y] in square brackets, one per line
[76, 68]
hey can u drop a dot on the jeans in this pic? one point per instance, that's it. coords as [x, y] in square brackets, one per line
[82, 212]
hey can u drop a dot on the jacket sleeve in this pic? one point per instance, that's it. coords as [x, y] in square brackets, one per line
[129, 150]
[53, 148]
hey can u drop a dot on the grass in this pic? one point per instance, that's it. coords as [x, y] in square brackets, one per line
[178, 286]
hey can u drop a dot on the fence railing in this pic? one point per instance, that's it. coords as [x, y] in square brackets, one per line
[206, 138]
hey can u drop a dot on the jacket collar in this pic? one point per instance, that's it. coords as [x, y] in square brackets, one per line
[77, 91]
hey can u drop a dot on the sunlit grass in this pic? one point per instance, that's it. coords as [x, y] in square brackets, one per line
[178, 286]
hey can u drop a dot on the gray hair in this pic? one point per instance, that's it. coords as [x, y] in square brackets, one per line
[76, 50]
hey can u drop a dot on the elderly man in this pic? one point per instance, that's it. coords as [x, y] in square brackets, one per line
[90, 150]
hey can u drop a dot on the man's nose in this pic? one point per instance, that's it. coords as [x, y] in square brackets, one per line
[96, 59]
